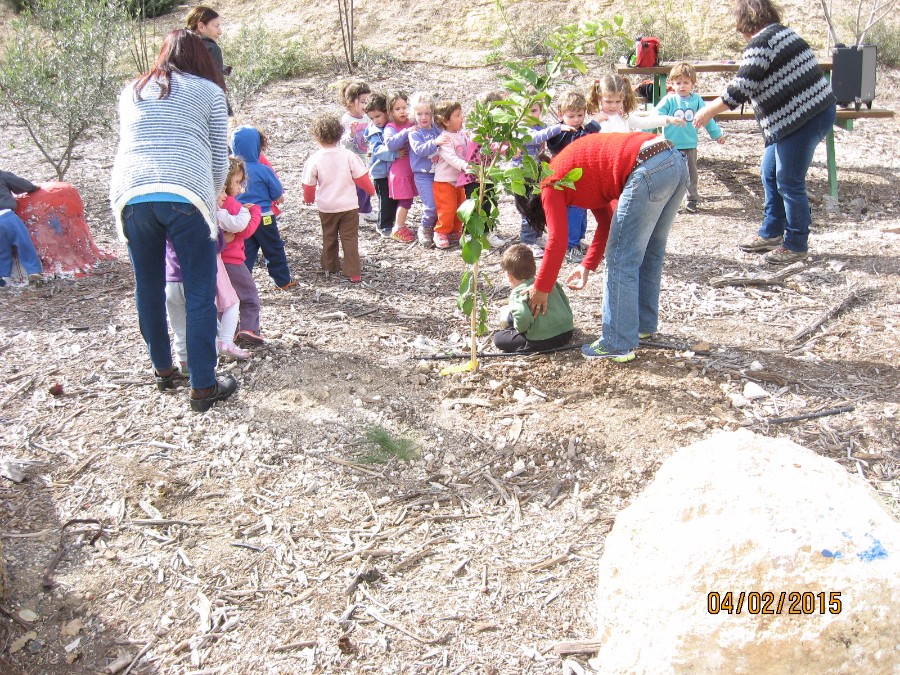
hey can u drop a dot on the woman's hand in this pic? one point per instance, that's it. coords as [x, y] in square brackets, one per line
[537, 300]
[707, 112]
[578, 278]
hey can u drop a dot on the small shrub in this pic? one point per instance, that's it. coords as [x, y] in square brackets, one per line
[150, 9]
[255, 63]
[368, 58]
[381, 447]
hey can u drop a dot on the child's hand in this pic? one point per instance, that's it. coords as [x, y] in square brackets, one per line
[220, 199]
[402, 152]
[566, 127]
[578, 278]
[600, 116]
[247, 206]
[443, 139]
[229, 237]
[676, 121]
[721, 140]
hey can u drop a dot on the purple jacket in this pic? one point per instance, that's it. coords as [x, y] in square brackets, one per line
[422, 149]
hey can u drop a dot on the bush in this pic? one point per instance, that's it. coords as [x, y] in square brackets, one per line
[258, 56]
[58, 72]
[884, 34]
[150, 9]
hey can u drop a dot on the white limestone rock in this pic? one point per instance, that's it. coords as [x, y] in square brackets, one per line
[745, 513]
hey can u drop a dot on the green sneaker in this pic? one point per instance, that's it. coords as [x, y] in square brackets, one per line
[644, 336]
[595, 351]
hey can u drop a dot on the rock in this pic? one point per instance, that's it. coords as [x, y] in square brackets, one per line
[737, 400]
[753, 391]
[740, 513]
[756, 366]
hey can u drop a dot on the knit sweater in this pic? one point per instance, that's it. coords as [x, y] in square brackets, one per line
[11, 183]
[607, 161]
[780, 76]
[177, 145]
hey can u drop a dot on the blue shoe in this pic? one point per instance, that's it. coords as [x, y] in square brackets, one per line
[595, 351]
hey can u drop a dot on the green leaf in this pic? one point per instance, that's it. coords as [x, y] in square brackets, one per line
[465, 210]
[578, 64]
[471, 252]
[574, 174]
[465, 285]
[466, 304]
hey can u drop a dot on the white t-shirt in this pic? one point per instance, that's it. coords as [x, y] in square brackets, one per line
[332, 170]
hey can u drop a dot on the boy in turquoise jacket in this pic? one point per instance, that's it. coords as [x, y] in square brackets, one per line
[684, 104]
[525, 332]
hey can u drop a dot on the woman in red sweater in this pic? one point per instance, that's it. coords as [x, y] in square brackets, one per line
[648, 178]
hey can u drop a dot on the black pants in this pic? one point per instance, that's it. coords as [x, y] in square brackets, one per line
[508, 340]
[387, 207]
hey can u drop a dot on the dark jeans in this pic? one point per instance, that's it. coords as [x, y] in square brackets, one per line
[146, 227]
[508, 340]
[387, 207]
[268, 238]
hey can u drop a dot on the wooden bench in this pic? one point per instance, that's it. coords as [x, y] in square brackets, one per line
[845, 118]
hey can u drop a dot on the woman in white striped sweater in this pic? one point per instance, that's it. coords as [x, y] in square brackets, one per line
[170, 165]
[795, 109]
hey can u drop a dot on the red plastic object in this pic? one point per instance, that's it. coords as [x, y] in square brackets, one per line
[54, 216]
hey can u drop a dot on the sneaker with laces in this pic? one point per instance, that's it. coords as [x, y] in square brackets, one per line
[495, 241]
[536, 251]
[442, 240]
[248, 337]
[574, 255]
[691, 206]
[426, 237]
[403, 234]
[369, 217]
[386, 233]
[784, 256]
[231, 351]
[761, 244]
[595, 351]
[288, 286]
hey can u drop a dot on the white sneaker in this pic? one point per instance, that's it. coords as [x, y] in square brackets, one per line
[495, 241]
[536, 251]
[370, 217]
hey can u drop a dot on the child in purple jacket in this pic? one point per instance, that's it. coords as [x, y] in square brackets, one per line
[424, 140]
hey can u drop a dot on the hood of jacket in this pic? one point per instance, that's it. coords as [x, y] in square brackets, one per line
[245, 143]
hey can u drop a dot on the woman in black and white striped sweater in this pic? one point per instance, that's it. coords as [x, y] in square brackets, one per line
[795, 109]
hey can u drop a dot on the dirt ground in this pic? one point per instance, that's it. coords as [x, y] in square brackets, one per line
[254, 539]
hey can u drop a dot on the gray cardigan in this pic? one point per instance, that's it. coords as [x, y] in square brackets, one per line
[176, 145]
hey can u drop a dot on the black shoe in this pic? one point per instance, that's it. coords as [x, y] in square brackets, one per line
[224, 387]
[691, 207]
[173, 380]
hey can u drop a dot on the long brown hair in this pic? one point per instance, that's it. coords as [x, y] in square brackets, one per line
[751, 16]
[183, 52]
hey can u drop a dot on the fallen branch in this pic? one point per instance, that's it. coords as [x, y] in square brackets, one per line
[49, 582]
[776, 279]
[351, 465]
[829, 313]
[812, 415]
[577, 647]
[493, 355]
[291, 646]
[380, 619]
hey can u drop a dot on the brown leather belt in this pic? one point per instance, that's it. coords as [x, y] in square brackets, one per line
[652, 151]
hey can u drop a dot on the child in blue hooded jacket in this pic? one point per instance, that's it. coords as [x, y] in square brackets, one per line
[263, 188]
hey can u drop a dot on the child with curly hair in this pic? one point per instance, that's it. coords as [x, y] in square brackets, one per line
[330, 179]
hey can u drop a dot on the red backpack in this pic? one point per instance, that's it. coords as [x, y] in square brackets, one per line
[646, 53]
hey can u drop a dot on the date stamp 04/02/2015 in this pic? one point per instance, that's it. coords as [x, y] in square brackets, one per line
[773, 602]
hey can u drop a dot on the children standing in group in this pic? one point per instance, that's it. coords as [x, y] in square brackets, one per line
[263, 188]
[13, 232]
[424, 141]
[353, 95]
[525, 331]
[401, 185]
[683, 104]
[448, 195]
[330, 179]
[380, 162]
[572, 108]
[240, 221]
[612, 100]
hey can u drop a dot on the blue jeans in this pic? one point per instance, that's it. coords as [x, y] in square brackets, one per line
[527, 234]
[637, 243]
[784, 167]
[425, 187]
[14, 233]
[577, 224]
[146, 227]
[268, 238]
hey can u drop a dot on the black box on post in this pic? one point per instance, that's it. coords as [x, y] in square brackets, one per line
[853, 75]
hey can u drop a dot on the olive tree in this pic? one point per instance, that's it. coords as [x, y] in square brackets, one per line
[59, 72]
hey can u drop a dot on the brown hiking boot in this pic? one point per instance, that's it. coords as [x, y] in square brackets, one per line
[761, 244]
